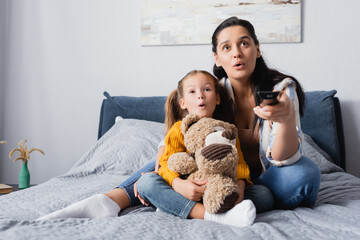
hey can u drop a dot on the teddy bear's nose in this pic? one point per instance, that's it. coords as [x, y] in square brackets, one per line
[228, 134]
[216, 151]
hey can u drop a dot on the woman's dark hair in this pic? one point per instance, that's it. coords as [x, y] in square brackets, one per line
[224, 111]
[263, 78]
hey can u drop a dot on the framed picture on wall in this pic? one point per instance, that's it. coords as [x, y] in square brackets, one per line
[179, 22]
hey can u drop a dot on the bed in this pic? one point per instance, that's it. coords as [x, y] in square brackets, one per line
[128, 143]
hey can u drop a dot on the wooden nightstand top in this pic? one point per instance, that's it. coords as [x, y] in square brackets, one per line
[14, 187]
[5, 188]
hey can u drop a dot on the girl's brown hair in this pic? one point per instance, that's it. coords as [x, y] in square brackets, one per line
[174, 113]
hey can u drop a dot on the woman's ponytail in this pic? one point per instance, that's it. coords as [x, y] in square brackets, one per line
[219, 72]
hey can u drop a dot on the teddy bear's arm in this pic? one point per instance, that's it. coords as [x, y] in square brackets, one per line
[182, 163]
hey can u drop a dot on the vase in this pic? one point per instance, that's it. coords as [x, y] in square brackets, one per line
[24, 177]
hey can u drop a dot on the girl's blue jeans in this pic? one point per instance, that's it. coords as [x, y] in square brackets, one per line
[128, 184]
[281, 187]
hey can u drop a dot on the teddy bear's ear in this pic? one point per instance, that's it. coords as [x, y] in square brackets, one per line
[188, 121]
[234, 129]
[230, 127]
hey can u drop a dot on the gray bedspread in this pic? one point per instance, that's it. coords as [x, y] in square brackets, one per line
[124, 149]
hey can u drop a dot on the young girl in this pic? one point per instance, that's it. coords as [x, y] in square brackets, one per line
[197, 93]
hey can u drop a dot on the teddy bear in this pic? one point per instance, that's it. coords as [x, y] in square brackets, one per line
[212, 156]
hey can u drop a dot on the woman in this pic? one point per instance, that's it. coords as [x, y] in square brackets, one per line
[270, 136]
[293, 179]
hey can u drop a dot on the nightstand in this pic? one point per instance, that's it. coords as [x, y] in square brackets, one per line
[5, 189]
[15, 187]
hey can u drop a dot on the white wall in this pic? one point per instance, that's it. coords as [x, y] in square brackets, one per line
[64, 54]
[3, 8]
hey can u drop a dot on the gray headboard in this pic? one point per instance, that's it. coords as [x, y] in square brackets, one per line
[322, 118]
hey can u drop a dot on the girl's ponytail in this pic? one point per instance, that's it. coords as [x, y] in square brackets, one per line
[173, 111]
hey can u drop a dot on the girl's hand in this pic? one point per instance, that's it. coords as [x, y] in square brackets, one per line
[191, 189]
[281, 112]
[136, 193]
[241, 184]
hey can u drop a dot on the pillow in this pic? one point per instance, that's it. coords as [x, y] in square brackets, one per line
[124, 149]
[143, 108]
[319, 121]
[319, 156]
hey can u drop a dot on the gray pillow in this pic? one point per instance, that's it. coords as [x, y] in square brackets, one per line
[319, 156]
[319, 121]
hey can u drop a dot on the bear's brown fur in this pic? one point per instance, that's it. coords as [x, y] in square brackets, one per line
[213, 157]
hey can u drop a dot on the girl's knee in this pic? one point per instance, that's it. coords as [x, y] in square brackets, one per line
[146, 182]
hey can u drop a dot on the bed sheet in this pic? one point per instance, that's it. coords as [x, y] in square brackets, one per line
[126, 147]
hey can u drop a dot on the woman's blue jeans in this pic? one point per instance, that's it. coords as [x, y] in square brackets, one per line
[293, 185]
[281, 187]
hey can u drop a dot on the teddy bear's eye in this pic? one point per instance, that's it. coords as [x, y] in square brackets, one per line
[218, 128]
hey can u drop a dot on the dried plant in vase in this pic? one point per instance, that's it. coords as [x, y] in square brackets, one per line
[24, 176]
[3, 142]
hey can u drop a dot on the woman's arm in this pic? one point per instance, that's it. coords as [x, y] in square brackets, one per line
[286, 142]
[284, 124]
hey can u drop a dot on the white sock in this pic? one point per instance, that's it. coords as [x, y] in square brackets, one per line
[243, 214]
[158, 210]
[97, 206]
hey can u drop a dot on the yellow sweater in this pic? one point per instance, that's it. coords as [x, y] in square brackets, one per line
[174, 142]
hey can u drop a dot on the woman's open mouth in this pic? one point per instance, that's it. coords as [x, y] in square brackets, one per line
[238, 65]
